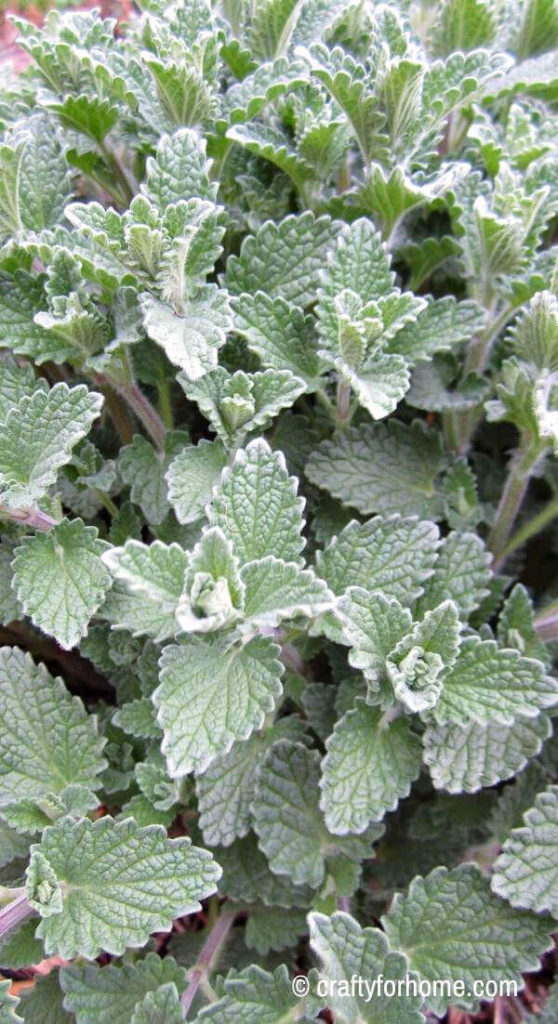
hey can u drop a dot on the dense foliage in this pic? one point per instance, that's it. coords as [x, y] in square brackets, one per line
[278, 416]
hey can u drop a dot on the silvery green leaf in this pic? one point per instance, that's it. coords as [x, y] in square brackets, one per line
[515, 799]
[371, 625]
[10, 609]
[126, 882]
[213, 691]
[226, 788]
[213, 594]
[492, 684]
[12, 844]
[247, 877]
[451, 926]
[283, 260]
[379, 385]
[192, 476]
[387, 553]
[280, 334]
[159, 1007]
[269, 143]
[346, 950]
[137, 717]
[60, 580]
[290, 827]
[461, 574]
[43, 1003]
[525, 872]
[254, 994]
[144, 469]
[416, 667]
[151, 578]
[463, 25]
[466, 758]
[16, 382]
[359, 263]
[37, 438]
[192, 338]
[273, 928]
[516, 626]
[370, 764]
[49, 741]
[110, 994]
[179, 170]
[8, 1004]
[256, 506]
[240, 404]
[381, 468]
[277, 590]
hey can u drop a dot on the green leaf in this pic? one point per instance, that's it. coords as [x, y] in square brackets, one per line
[37, 438]
[9, 605]
[8, 1005]
[88, 115]
[213, 594]
[240, 404]
[192, 476]
[359, 264]
[417, 664]
[525, 873]
[12, 844]
[378, 385]
[283, 260]
[192, 339]
[60, 579]
[21, 297]
[387, 553]
[345, 950]
[144, 469]
[110, 994]
[516, 625]
[254, 994]
[463, 25]
[44, 181]
[273, 928]
[159, 1007]
[462, 574]
[213, 692]
[538, 31]
[492, 684]
[248, 878]
[291, 830]
[117, 883]
[43, 1004]
[279, 334]
[269, 143]
[226, 789]
[370, 764]
[371, 625]
[153, 577]
[466, 758]
[277, 590]
[443, 325]
[179, 170]
[48, 741]
[381, 468]
[256, 506]
[452, 927]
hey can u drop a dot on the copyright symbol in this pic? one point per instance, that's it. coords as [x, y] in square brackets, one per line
[300, 986]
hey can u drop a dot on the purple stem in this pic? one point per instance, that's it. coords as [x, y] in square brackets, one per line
[211, 947]
[14, 913]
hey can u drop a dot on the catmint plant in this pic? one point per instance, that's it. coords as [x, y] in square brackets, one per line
[278, 427]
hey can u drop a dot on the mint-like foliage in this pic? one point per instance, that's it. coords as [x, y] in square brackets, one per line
[278, 503]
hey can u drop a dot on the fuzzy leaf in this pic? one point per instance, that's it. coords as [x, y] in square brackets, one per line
[254, 994]
[191, 477]
[144, 470]
[280, 334]
[466, 758]
[48, 742]
[117, 884]
[370, 765]
[43, 1003]
[255, 505]
[492, 684]
[451, 926]
[179, 170]
[109, 995]
[213, 692]
[192, 339]
[153, 577]
[60, 579]
[37, 438]
[381, 468]
[159, 1007]
[345, 950]
[461, 574]
[277, 590]
[525, 873]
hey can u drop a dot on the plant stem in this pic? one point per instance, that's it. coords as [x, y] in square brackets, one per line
[532, 527]
[14, 913]
[29, 517]
[116, 167]
[207, 957]
[546, 623]
[521, 470]
[118, 414]
[165, 404]
[343, 413]
[146, 414]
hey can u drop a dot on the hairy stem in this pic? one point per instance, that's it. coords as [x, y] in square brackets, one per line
[29, 517]
[146, 414]
[165, 404]
[207, 957]
[532, 527]
[118, 414]
[343, 413]
[521, 470]
[14, 913]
